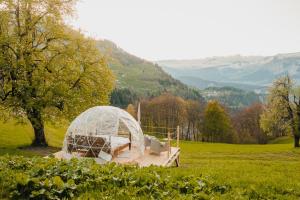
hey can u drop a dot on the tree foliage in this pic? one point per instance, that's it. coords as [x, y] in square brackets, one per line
[194, 121]
[131, 110]
[282, 112]
[122, 97]
[47, 70]
[165, 111]
[217, 124]
[247, 125]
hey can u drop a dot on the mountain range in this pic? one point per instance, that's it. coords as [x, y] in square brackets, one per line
[253, 73]
[138, 78]
[235, 81]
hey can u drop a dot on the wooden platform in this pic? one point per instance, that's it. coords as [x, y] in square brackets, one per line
[132, 157]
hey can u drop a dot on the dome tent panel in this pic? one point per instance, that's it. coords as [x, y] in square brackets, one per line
[123, 130]
[105, 122]
[134, 127]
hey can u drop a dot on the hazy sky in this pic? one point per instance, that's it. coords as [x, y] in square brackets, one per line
[183, 29]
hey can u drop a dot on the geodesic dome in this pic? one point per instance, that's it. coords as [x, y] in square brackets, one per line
[111, 123]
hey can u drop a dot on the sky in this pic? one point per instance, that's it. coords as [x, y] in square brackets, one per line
[189, 29]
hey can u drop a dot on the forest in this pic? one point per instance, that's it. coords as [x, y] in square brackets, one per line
[212, 121]
[202, 121]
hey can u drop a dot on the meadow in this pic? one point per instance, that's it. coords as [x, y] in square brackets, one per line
[244, 171]
[266, 171]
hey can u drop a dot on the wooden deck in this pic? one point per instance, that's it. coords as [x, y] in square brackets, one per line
[132, 157]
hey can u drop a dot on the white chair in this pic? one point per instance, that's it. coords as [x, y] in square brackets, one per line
[157, 147]
[147, 140]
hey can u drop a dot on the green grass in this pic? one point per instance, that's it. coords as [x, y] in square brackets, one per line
[264, 168]
[282, 140]
[270, 170]
[13, 134]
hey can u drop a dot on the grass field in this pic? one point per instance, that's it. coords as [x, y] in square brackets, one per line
[13, 134]
[271, 170]
[265, 169]
[282, 140]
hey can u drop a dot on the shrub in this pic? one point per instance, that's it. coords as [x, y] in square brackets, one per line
[39, 178]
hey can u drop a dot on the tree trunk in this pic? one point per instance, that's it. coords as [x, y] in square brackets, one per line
[35, 118]
[188, 131]
[296, 133]
[296, 141]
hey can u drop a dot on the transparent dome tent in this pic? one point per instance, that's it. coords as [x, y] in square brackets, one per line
[103, 130]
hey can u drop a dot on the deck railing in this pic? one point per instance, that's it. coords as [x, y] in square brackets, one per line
[171, 133]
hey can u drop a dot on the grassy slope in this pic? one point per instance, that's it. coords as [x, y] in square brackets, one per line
[262, 168]
[14, 135]
[265, 168]
[282, 140]
[137, 74]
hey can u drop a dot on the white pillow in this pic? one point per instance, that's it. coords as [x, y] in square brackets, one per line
[105, 156]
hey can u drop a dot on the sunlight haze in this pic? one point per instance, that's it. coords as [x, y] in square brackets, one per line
[177, 29]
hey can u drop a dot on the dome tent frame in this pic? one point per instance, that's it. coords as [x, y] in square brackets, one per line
[103, 129]
[105, 132]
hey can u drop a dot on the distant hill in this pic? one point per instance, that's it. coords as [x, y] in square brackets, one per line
[246, 72]
[140, 78]
[202, 84]
[231, 97]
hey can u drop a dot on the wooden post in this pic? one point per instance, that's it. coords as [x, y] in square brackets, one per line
[177, 136]
[139, 114]
[177, 161]
[169, 144]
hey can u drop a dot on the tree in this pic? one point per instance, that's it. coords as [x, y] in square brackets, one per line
[122, 97]
[131, 110]
[217, 125]
[47, 70]
[194, 110]
[283, 109]
[165, 111]
[247, 124]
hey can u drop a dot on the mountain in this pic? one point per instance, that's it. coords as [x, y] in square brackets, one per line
[231, 97]
[244, 72]
[136, 77]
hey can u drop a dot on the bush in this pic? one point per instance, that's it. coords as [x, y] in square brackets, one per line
[39, 178]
